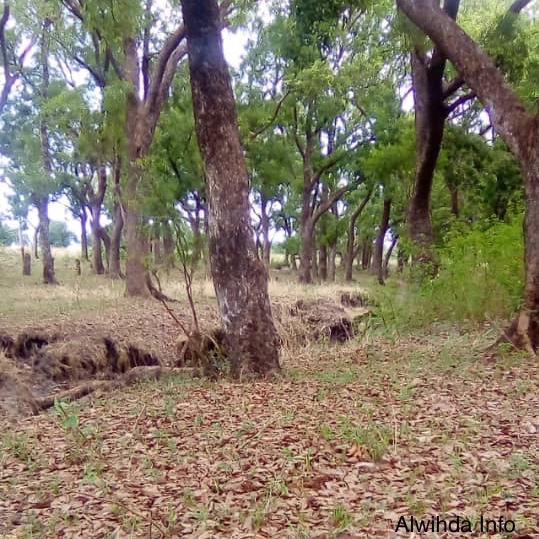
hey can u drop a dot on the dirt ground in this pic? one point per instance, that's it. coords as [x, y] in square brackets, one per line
[351, 438]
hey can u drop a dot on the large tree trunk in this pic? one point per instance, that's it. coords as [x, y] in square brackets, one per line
[49, 276]
[430, 120]
[239, 277]
[379, 246]
[83, 234]
[516, 125]
[430, 115]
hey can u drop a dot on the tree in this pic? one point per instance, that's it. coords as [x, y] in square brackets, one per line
[7, 235]
[519, 127]
[60, 235]
[239, 277]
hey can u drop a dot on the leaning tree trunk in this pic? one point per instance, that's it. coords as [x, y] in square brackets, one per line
[35, 243]
[379, 246]
[239, 277]
[430, 120]
[520, 130]
[49, 276]
[384, 269]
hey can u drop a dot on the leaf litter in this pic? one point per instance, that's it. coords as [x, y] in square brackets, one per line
[348, 440]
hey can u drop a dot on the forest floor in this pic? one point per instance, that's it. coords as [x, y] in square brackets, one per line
[348, 440]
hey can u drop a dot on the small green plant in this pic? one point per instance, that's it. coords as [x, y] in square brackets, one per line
[341, 517]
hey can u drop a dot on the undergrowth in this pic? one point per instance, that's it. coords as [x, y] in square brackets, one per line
[480, 279]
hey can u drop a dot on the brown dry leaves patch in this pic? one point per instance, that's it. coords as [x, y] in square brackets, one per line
[351, 438]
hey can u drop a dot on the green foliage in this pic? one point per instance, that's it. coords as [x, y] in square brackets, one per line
[480, 279]
[60, 235]
[7, 235]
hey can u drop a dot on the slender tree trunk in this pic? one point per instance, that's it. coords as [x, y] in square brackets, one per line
[351, 238]
[379, 246]
[115, 269]
[83, 234]
[323, 265]
[35, 243]
[293, 262]
[332, 265]
[42, 202]
[97, 252]
[382, 275]
[240, 279]
[454, 192]
[402, 257]
[26, 264]
[156, 243]
[265, 226]
[168, 245]
[49, 276]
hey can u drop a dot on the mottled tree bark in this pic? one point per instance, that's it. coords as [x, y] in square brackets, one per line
[518, 127]
[239, 277]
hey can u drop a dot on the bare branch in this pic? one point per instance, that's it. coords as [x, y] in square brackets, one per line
[273, 117]
[324, 207]
[460, 101]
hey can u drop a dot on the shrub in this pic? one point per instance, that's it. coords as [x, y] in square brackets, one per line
[481, 278]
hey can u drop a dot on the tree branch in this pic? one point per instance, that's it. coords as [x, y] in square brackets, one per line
[509, 115]
[273, 117]
[324, 207]
[459, 101]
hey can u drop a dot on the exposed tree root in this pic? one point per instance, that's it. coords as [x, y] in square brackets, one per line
[156, 292]
[522, 334]
[132, 376]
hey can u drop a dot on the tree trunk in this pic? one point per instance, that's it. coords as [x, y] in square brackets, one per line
[26, 264]
[323, 265]
[49, 276]
[430, 120]
[156, 243]
[454, 192]
[168, 244]
[519, 128]
[379, 246]
[385, 267]
[315, 272]
[97, 253]
[137, 252]
[332, 265]
[83, 234]
[402, 258]
[115, 269]
[240, 279]
[306, 252]
[35, 243]
[265, 226]
[351, 238]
